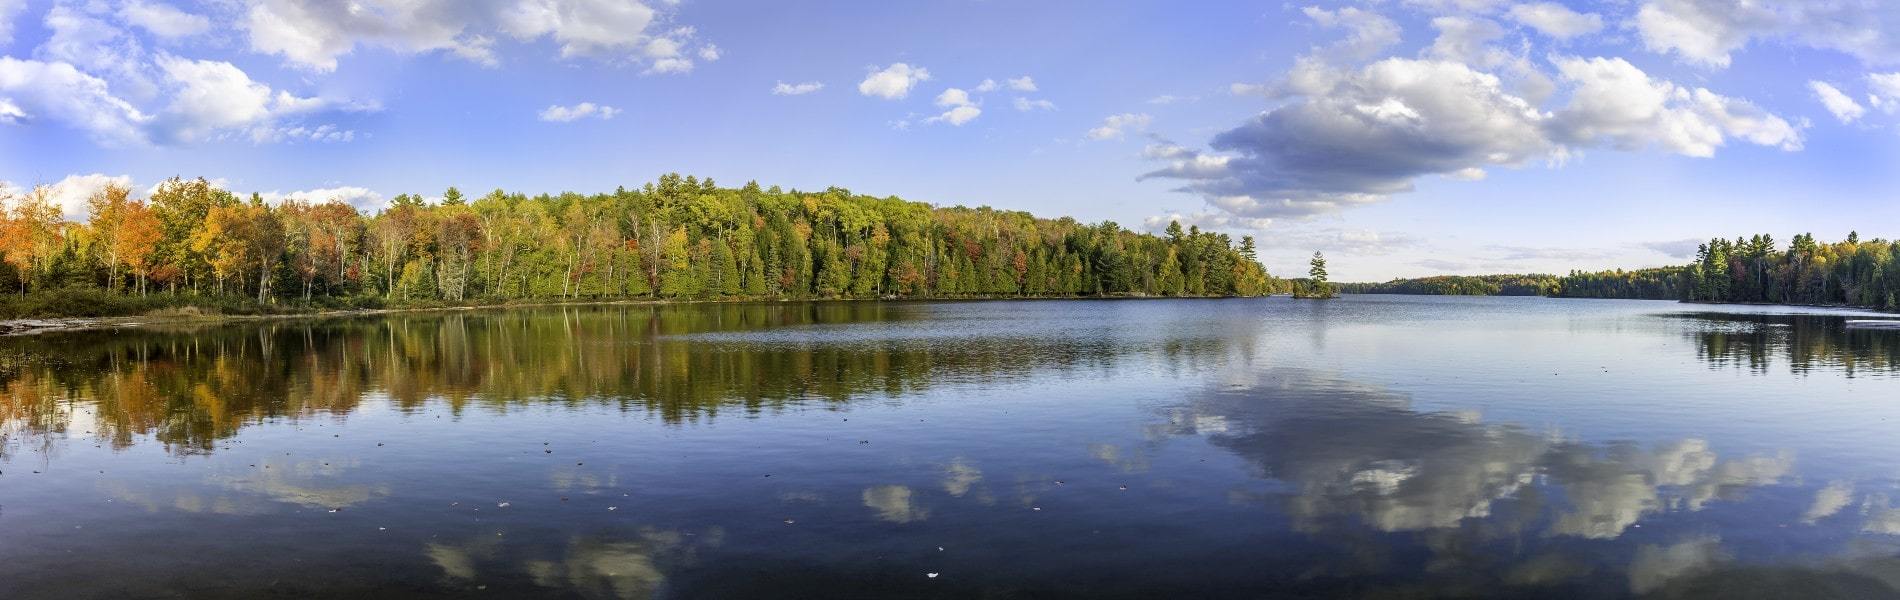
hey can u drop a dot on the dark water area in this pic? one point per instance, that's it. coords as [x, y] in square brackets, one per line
[1371, 446]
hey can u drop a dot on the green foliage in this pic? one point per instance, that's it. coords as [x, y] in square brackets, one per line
[677, 238]
[1315, 285]
[1459, 285]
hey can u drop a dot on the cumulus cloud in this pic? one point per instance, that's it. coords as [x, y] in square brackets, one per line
[1839, 104]
[313, 34]
[987, 86]
[1708, 32]
[1615, 103]
[893, 82]
[1022, 84]
[1350, 137]
[163, 20]
[796, 89]
[1116, 126]
[70, 194]
[1556, 20]
[584, 110]
[212, 95]
[960, 109]
[34, 90]
[94, 76]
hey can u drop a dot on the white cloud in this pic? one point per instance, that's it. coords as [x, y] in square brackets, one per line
[1346, 138]
[212, 95]
[1450, 6]
[1171, 99]
[1464, 39]
[163, 20]
[1022, 84]
[1116, 126]
[99, 48]
[565, 114]
[57, 91]
[1680, 249]
[1885, 90]
[71, 193]
[209, 96]
[961, 109]
[796, 89]
[363, 199]
[1025, 104]
[1708, 32]
[1367, 32]
[987, 86]
[1246, 89]
[1205, 220]
[1616, 104]
[327, 134]
[1843, 107]
[893, 82]
[9, 8]
[1556, 20]
[313, 34]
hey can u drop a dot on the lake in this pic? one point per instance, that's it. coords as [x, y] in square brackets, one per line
[1371, 446]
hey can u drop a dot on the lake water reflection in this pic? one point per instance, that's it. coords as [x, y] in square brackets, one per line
[1370, 446]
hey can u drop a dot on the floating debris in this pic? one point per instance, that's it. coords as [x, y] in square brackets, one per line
[502, 505]
[931, 575]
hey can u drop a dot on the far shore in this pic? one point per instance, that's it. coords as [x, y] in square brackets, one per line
[188, 316]
[192, 316]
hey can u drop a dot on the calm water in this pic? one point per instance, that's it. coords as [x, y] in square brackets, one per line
[1366, 447]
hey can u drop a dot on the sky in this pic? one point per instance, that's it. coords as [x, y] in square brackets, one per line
[1401, 137]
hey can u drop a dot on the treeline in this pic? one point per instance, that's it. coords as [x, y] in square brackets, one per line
[1661, 283]
[1459, 285]
[1855, 272]
[677, 238]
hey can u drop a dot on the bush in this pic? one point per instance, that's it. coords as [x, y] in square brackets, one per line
[95, 302]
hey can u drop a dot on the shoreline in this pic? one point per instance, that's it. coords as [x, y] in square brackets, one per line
[40, 325]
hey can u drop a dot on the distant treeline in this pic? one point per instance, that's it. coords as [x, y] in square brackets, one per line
[1459, 285]
[678, 238]
[1858, 273]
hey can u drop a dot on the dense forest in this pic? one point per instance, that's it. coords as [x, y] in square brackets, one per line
[1854, 272]
[191, 242]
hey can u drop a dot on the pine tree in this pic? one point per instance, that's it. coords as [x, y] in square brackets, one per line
[1317, 286]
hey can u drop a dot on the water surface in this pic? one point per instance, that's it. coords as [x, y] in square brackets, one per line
[1372, 446]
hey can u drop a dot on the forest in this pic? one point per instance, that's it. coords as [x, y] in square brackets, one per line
[1459, 285]
[191, 243]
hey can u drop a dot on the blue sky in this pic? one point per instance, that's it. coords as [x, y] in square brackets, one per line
[1402, 137]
